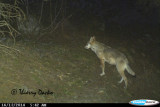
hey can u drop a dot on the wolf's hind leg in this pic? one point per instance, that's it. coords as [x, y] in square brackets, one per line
[124, 78]
[121, 68]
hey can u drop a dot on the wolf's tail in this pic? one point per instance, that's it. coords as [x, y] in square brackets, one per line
[130, 71]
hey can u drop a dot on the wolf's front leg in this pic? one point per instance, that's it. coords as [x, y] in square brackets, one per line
[103, 67]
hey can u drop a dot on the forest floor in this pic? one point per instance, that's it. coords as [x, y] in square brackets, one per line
[63, 68]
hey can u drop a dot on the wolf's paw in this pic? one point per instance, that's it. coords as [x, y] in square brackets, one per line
[102, 74]
[125, 87]
[119, 82]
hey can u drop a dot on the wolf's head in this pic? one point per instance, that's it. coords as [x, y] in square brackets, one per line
[90, 42]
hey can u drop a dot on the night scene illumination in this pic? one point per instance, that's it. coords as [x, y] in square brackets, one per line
[79, 51]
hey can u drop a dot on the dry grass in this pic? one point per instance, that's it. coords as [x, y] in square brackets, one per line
[9, 13]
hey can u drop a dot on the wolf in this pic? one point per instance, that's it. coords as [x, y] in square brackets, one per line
[111, 56]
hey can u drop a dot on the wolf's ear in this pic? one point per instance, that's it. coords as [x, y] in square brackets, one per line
[93, 38]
